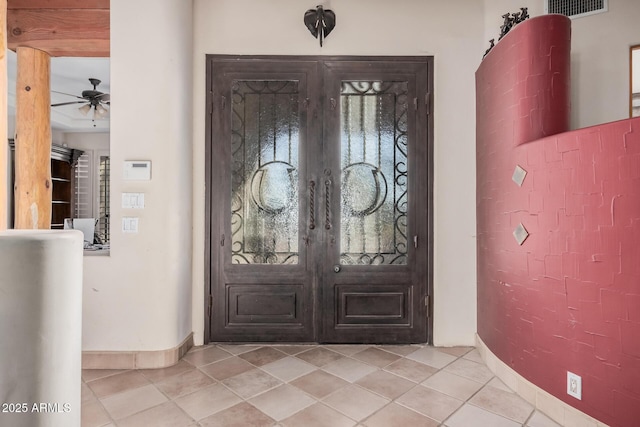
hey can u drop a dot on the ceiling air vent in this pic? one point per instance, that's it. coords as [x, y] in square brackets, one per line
[576, 8]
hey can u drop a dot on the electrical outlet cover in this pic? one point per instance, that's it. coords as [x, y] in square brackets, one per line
[574, 385]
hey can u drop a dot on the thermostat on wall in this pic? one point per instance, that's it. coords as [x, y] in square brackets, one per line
[137, 170]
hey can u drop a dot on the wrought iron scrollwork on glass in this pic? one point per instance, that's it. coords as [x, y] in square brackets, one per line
[264, 172]
[373, 188]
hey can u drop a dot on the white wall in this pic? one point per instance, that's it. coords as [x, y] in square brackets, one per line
[139, 297]
[452, 33]
[86, 140]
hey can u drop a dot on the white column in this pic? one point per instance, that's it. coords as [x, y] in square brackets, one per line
[40, 328]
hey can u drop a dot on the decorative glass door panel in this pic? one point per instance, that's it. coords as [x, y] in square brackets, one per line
[318, 196]
[264, 172]
[373, 166]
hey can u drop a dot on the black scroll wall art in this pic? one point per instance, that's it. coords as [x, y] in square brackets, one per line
[510, 21]
[320, 22]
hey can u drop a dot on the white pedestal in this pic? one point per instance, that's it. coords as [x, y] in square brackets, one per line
[40, 328]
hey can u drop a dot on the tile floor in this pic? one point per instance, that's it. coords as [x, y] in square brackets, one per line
[308, 386]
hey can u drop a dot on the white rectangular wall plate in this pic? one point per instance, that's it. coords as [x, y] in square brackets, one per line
[574, 385]
[133, 200]
[129, 225]
[137, 170]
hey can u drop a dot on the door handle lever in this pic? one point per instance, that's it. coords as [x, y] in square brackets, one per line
[312, 203]
[327, 204]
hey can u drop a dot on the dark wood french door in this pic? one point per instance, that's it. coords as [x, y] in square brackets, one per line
[318, 199]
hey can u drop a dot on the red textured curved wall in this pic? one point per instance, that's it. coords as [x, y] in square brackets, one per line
[568, 298]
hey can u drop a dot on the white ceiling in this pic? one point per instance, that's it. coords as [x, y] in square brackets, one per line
[70, 76]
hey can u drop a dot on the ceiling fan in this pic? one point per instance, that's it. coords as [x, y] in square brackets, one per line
[92, 99]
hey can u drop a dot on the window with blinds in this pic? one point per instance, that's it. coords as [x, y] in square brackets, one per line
[576, 8]
[83, 184]
[104, 199]
[92, 191]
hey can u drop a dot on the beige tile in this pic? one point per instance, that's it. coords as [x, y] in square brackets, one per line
[355, 402]
[471, 370]
[550, 405]
[386, 384]
[472, 416]
[108, 360]
[507, 375]
[527, 391]
[455, 351]
[349, 369]
[503, 403]
[288, 368]
[395, 415]
[157, 375]
[319, 383]
[376, 357]
[236, 349]
[93, 414]
[118, 383]
[452, 385]
[130, 402]
[293, 349]
[240, 415]
[262, 356]
[575, 418]
[473, 355]
[227, 368]
[165, 415]
[94, 374]
[411, 370]
[185, 383]
[318, 415]
[319, 356]
[251, 383]
[432, 357]
[86, 394]
[497, 383]
[206, 356]
[156, 359]
[207, 401]
[400, 350]
[429, 402]
[538, 419]
[347, 349]
[282, 402]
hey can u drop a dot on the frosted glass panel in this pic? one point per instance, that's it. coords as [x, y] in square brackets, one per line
[264, 186]
[373, 122]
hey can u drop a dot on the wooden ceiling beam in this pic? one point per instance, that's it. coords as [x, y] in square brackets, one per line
[57, 4]
[70, 28]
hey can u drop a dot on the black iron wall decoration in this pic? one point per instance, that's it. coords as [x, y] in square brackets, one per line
[320, 22]
[510, 21]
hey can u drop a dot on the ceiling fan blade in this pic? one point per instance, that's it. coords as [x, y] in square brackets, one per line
[68, 103]
[68, 94]
[105, 97]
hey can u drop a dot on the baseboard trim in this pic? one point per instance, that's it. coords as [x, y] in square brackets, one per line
[136, 359]
[551, 406]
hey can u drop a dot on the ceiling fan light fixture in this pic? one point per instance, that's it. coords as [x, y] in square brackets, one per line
[99, 113]
[100, 109]
[85, 109]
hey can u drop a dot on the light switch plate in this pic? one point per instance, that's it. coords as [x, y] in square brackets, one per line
[129, 225]
[133, 200]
